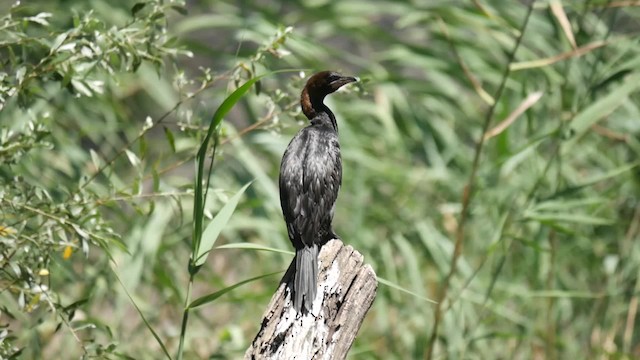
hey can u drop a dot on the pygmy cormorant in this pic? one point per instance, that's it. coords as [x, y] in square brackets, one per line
[310, 178]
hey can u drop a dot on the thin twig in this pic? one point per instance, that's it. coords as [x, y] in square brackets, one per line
[62, 221]
[468, 190]
[530, 198]
[610, 134]
[138, 196]
[269, 116]
[550, 337]
[143, 133]
[477, 86]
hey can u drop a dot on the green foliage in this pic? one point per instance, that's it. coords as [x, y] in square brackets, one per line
[106, 110]
[215, 227]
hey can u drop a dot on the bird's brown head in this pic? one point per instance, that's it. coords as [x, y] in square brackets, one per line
[318, 86]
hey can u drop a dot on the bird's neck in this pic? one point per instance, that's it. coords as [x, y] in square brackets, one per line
[316, 111]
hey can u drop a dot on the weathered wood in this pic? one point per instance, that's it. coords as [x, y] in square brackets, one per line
[346, 290]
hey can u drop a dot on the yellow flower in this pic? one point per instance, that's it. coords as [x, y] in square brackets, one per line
[68, 250]
[5, 230]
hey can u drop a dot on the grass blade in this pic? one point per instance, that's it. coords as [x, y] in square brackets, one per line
[398, 287]
[602, 107]
[199, 201]
[144, 319]
[553, 218]
[593, 180]
[211, 233]
[213, 296]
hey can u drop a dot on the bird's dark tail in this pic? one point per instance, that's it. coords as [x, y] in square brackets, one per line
[306, 278]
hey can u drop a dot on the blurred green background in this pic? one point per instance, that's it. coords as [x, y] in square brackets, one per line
[103, 105]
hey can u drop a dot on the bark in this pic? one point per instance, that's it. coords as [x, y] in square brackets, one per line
[346, 289]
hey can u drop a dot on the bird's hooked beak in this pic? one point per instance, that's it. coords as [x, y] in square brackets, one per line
[341, 81]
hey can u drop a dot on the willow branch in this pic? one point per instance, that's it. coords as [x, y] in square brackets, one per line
[468, 190]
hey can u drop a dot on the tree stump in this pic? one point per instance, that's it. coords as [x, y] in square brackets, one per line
[346, 290]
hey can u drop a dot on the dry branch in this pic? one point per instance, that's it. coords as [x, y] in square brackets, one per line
[346, 290]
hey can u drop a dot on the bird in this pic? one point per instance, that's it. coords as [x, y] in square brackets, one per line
[310, 179]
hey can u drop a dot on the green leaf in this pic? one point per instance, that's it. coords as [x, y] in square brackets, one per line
[616, 77]
[213, 296]
[57, 42]
[137, 7]
[199, 196]
[157, 15]
[566, 217]
[593, 180]
[602, 107]
[170, 138]
[608, 175]
[180, 9]
[250, 246]
[68, 76]
[143, 147]
[216, 225]
[136, 189]
[133, 158]
[136, 62]
[81, 87]
[568, 204]
[156, 179]
[41, 18]
[95, 158]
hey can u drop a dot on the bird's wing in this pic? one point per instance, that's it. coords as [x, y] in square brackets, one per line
[291, 174]
[322, 176]
[310, 178]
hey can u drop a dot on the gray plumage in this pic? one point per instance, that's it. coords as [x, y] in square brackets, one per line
[310, 178]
